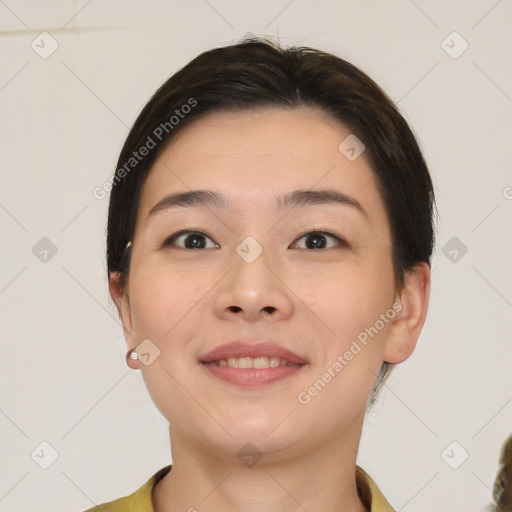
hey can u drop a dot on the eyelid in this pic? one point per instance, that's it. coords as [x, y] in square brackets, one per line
[190, 231]
[342, 242]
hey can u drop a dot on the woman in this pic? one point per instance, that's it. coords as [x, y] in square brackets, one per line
[269, 240]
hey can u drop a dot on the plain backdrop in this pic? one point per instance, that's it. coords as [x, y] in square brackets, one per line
[67, 99]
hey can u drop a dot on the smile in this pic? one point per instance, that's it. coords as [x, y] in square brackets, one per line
[251, 372]
[253, 362]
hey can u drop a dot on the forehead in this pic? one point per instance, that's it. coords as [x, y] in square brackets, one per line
[251, 156]
[260, 131]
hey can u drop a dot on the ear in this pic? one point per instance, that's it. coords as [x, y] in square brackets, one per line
[122, 303]
[406, 327]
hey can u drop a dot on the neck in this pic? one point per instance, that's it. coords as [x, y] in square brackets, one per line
[323, 479]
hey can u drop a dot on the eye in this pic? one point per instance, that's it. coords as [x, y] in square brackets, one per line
[317, 240]
[194, 240]
[191, 240]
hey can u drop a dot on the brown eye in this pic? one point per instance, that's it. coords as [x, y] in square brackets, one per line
[190, 240]
[317, 240]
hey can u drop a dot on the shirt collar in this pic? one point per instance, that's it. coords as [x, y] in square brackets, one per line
[142, 497]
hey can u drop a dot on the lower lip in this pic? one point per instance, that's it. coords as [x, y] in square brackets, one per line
[252, 376]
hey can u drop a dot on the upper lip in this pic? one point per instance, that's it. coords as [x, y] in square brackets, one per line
[243, 349]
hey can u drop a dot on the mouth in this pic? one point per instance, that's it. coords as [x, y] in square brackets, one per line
[253, 362]
[251, 365]
[251, 377]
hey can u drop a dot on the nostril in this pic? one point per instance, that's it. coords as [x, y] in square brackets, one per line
[268, 309]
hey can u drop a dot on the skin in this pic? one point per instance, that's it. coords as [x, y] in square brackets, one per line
[181, 299]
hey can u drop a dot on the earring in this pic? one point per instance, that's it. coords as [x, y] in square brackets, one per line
[133, 354]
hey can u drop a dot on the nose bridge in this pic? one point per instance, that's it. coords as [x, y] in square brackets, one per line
[251, 266]
[249, 250]
[253, 287]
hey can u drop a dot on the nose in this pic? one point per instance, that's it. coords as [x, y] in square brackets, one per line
[253, 291]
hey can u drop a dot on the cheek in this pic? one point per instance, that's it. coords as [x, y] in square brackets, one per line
[352, 344]
[347, 301]
[164, 306]
[161, 299]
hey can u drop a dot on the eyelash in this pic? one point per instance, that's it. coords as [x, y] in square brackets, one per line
[169, 240]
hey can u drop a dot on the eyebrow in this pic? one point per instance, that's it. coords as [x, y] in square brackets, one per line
[210, 198]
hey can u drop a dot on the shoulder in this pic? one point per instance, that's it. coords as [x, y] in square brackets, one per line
[120, 505]
[138, 501]
[370, 494]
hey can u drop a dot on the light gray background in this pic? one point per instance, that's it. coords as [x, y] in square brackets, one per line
[63, 119]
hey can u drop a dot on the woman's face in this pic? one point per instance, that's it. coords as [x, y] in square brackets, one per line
[259, 271]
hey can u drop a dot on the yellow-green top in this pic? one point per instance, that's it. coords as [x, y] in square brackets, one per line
[140, 500]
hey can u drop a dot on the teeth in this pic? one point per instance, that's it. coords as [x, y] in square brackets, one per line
[274, 361]
[252, 362]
